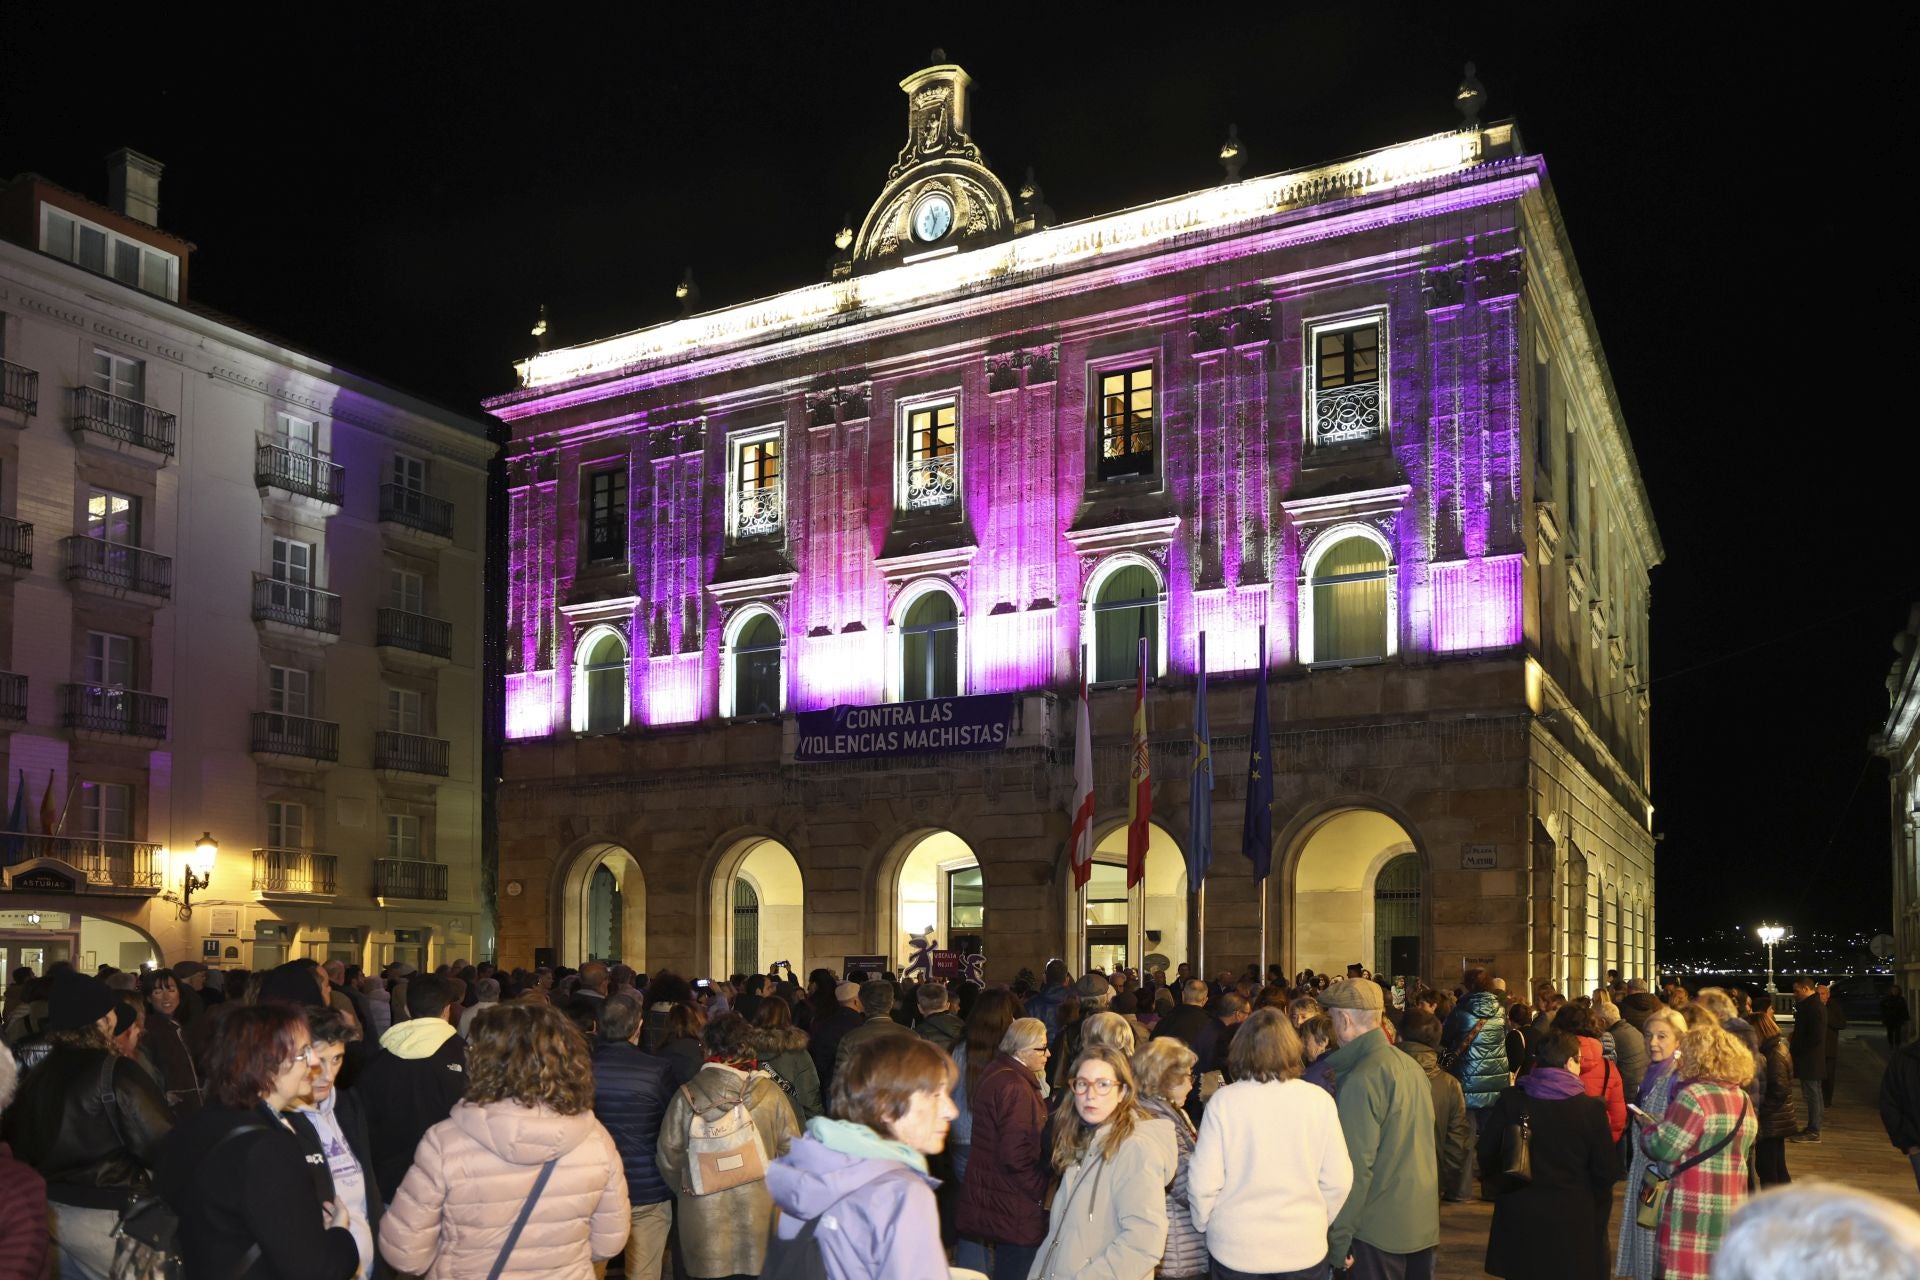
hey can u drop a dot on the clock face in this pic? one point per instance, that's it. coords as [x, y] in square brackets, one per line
[932, 218]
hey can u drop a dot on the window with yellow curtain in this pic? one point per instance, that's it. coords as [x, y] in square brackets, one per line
[1126, 609]
[1349, 586]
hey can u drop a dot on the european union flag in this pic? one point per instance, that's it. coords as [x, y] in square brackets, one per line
[1256, 840]
[1200, 784]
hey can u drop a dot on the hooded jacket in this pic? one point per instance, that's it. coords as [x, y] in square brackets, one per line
[783, 1055]
[1109, 1216]
[1779, 1102]
[1601, 1079]
[631, 1090]
[406, 1089]
[1452, 1131]
[880, 1219]
[723, 1233]
[944, 1029]
[1003, 1197]
[1482, 1065]
[473, 1172]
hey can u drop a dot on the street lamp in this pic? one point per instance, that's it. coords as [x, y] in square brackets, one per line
[1770, 934]
[199, 872]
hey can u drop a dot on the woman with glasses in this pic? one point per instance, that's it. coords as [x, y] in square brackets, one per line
[1115, 1160]
[235, 1172]
[1001, 1200]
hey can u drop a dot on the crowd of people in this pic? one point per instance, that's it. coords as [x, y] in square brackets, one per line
[315, 1123]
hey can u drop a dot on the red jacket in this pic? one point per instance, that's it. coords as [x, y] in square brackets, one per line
[1007, 1172]
[23, 1220]
[1601, 1079]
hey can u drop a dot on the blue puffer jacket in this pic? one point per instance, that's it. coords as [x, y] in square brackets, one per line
[1483, 1067]
[631, 1090]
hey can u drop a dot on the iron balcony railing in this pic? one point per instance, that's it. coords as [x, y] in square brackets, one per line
[293, 871]
[13, 696]
[405, 878]
[295, 604]
[415, 631]
[757, 512]
[279, 467]
[932, 482]
[416, 510]
[1346, 415]
[283, 735]
[123, 864]
[410, 752]
[119, 418]
[16, 542]
[19, 387]
[116, 565]
[105, 708]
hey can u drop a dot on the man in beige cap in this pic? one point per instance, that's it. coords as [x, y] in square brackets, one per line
[1389, 1228]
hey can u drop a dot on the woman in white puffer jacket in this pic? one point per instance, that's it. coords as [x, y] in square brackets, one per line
[529, 1101]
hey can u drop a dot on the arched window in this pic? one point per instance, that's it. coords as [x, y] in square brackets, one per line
[757, 686]
[1349, 601]
[1126, 609]
[930, 647]
[600, 691]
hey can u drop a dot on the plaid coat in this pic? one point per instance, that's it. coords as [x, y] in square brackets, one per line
[1702, 1198]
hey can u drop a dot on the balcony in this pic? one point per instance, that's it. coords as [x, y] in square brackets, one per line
[414, 634]
[410, 753]
[758, 513]
[19, 388]
[13, 696]
[122, 424]
[932, 482]
[293, 873]
[79, 864]
[405, 878]
[295, 608]
[295, 738]
[301, 474]
[16, 542]
[413, 512]
[100, 708]
[1347, 415]
[120, 570]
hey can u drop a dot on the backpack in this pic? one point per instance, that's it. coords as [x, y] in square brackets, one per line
[724, 1152]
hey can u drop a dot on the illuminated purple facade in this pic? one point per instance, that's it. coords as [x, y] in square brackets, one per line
[1313, 402]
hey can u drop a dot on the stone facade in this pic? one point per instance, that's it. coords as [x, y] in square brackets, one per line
[1371, 389]
[1899, 742]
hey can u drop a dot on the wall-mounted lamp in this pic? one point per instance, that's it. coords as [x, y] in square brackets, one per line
[199, 872]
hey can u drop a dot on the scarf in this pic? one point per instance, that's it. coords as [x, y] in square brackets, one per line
[1546, 1084]
[746, 1062]
[1656, 1072]
[862, 1143]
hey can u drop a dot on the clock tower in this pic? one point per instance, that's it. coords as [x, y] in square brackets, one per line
[940, 197]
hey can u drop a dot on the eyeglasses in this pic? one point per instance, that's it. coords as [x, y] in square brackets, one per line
[305, 1053]
[1098, 1088]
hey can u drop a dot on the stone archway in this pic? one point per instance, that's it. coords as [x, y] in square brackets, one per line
[1331, 891]
[608, 909]
[930, 879]
[1107, 922]
[765, 924]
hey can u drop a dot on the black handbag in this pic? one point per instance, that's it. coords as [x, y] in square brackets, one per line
[1516, 1149]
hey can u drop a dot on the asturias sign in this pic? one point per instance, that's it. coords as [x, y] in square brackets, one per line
[982, 722]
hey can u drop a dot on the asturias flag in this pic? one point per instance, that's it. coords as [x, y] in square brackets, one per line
[1256, 840]
[1080, 843]
[1140, 786]
[1200, 795]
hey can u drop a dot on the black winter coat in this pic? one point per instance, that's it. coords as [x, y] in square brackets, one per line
[823, 1042]
[1778, 1101]
[257, 1189]
[631, 1090]
[402, 1098]
[1554, 1227]
[1809, 1040]
[1194, 1027]
[1900, 1097]
[60, 1124]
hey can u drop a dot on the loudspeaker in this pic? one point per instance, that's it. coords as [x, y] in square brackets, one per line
[543, 957]
[1405, 953]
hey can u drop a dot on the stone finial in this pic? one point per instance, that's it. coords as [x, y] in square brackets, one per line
[843, 238]
[1232, 154]
[688, 292]
[938, 57]
[1468, 98]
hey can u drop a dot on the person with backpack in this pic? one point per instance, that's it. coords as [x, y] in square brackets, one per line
[856, 1201]
[721, 1130]
[1473, 1046]
[523, 1150]
[90, 1121]
[236, 1173]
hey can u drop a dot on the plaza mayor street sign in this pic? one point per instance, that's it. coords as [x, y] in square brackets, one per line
[982, 722]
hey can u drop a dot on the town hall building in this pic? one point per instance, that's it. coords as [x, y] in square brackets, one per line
[801, 591]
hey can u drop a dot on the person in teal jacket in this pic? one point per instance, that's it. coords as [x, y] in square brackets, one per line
[1476, 1037]
[1390, 1223]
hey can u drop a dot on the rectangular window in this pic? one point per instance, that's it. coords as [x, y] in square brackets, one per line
[406, 591]
[96, 249]
[113, 517]
[966, 902]
[286, 825]
[1126, 422]
[410, 473]
[109, 660]
[406, 711]
[1573, 497]
[1346, 406]
[117, 375]
[607, 514]
[930, 453]
[289, 691]
[754, 478]
[299, 436]
[1543, 417]
[106, 810]
[403, 836]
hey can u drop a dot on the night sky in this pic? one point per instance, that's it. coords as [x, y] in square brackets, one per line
[400, 195]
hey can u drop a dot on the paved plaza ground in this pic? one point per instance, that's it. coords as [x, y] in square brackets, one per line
[1854, 1150]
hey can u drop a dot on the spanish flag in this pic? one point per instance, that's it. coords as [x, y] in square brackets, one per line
[1140, 789]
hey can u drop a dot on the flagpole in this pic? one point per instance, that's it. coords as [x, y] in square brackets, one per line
[1201, 946]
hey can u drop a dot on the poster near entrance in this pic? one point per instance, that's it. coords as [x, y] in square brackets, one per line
[872, 966]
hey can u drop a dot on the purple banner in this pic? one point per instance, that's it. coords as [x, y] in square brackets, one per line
[982, 722]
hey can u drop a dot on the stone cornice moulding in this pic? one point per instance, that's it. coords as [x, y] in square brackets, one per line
[1136, 535]
[589, 613]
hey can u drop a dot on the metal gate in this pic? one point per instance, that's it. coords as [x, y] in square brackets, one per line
[746, 928]
[1396, 907]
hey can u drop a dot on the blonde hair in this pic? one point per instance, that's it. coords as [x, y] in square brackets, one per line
[1710, 1053]
[1698, 1015]
[1160, 1064]
[1073, 1137]
[1109, 1029]
[1668, 1018]
[531, 1054]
